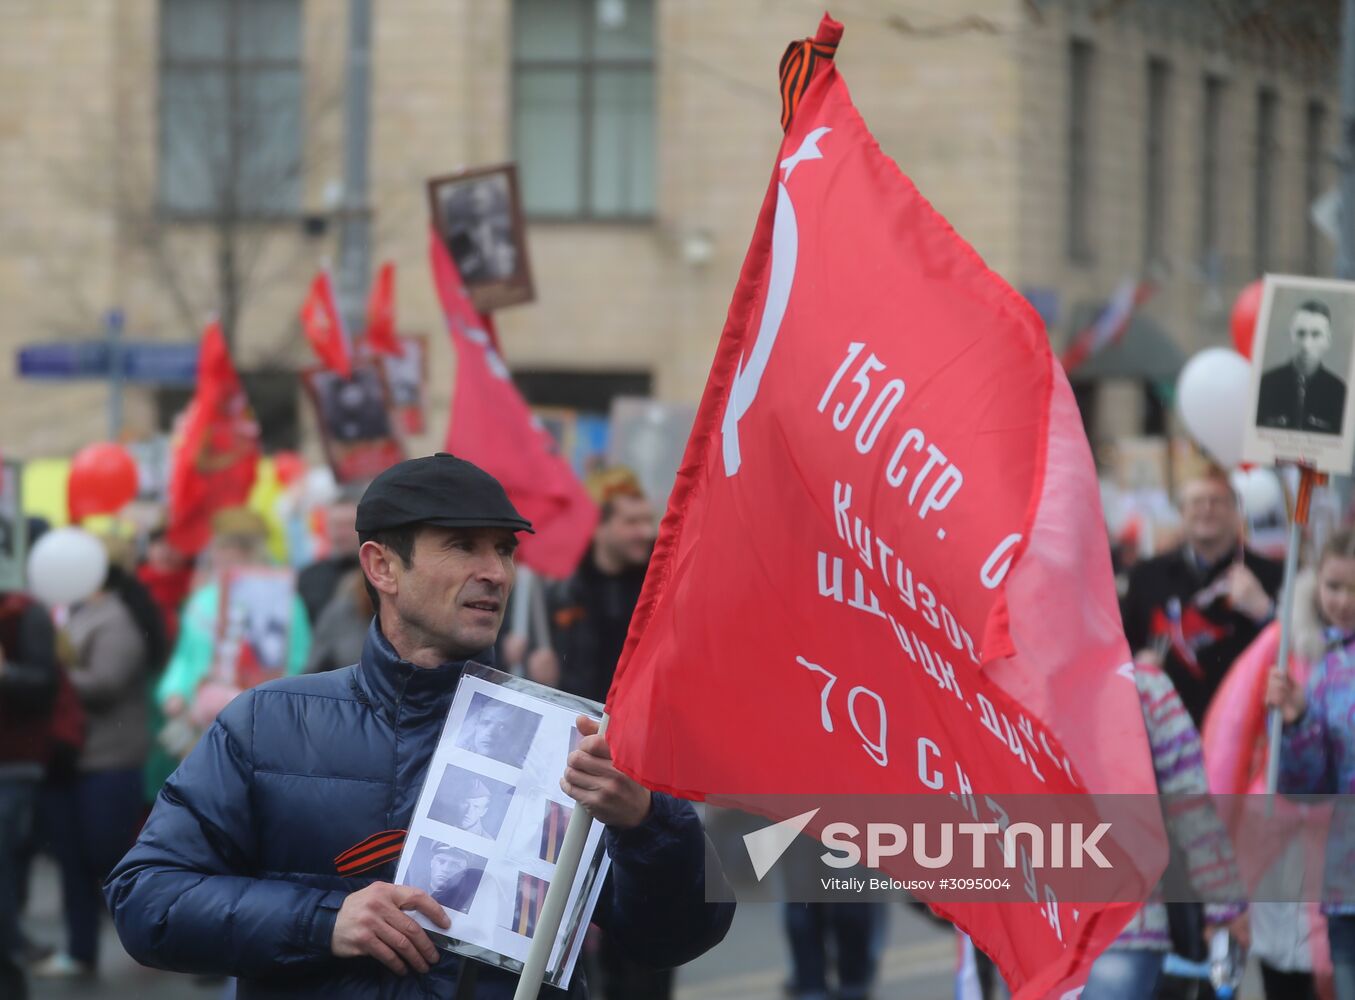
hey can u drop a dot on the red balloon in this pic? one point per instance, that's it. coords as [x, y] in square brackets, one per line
[103, 480]
[1246, 307]
[288, 466]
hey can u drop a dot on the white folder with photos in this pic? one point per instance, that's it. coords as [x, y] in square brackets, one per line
[491, 820]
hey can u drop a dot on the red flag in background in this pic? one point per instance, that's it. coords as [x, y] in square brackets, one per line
[216, 450]
[884, 548]
[492, 426]
[381, 338]
[324, 327]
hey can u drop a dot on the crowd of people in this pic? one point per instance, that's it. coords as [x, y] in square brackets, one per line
[100, 704]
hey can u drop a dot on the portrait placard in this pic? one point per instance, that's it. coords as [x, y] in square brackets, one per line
[354, 417]
[13, 530]
[1302, 362]
[478, 215]
[253, 626]
[490, 821]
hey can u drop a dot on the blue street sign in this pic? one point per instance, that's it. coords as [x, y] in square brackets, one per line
[162, 364]
[80, 359]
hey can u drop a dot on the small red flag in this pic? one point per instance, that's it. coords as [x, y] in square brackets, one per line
[324, 327]
[492, 426]
[381, 338]
[216, 449]
[883, 569]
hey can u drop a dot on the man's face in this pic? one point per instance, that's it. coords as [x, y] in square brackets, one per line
[627, 536]
[340, 519]
[492, 727]
[474, 811]
[455, 590]
[1311, 333]
[1209, 512]
[444, 869]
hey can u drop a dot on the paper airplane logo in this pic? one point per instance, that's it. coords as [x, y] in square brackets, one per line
[766, 846]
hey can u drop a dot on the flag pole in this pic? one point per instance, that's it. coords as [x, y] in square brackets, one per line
[1308, 478]
[553, 909]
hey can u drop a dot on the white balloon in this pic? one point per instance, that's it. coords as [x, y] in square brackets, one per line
[1260, 492]
[1211, 396]
[66, 566]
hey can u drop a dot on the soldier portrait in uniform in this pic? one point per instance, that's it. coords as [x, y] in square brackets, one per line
[1302, 393]
[1302, 361]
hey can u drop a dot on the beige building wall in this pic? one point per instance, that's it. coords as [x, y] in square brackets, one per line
[1190, 305]
[970, 99]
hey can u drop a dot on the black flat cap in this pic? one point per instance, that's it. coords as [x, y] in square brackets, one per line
[437, 489]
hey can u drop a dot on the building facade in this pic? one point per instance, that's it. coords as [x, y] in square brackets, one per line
[174, 158]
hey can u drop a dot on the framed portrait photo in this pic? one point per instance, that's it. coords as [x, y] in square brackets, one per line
[478, 215]
[355, 420]
[1303, 360]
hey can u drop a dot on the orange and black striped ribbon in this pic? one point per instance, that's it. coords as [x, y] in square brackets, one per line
[797, 69]
[531, 896]
[371, 853]
[553, 831]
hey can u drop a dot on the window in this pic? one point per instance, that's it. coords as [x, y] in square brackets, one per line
[1314, 170]
[230, 107]
[1267, 104]
[1155, 167]
[1211, 131]
[583, 109]
[1080, 246]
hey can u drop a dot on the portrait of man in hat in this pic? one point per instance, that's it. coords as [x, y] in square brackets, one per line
[472, 802]
[452, 875]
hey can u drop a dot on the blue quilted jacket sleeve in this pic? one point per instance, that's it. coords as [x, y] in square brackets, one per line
[654, 902]
[185, 898]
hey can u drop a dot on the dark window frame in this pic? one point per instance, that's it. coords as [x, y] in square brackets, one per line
[236, 69]
[1315, 119]
[1157, 166]
[1211, 170]
[587, 66]
[1081, 243]
[1263, 204]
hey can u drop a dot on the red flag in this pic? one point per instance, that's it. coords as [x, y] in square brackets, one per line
[216, 451]
[324, 327]
[381, 338]
[492, 427]
[883, 568]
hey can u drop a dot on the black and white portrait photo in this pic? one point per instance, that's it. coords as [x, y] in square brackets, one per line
[449, 874]
[1302, 355]
[353, 410]
[498, 730]
[479, 217]
[1300, 392]
[471, 802]
[354, 418]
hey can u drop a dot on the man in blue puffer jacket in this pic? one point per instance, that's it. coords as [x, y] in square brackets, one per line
[270, 851]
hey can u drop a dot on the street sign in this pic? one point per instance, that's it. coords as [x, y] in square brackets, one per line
[161, 364]
[164, 364]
